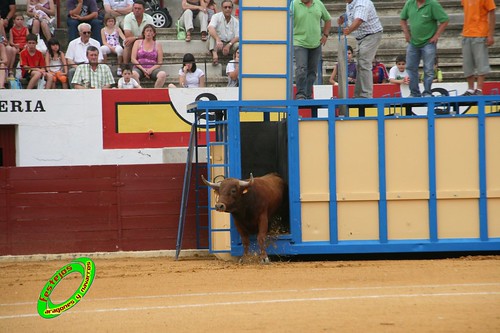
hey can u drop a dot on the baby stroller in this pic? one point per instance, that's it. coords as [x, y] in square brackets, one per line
[161, 16]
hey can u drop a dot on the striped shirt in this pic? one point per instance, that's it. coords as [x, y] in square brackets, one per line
[364, 10]
[99, 78]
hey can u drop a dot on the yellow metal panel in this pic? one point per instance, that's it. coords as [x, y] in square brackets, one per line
[408, 219]
[265, 3]
[458, 218]
[315, 222]
[264, 25]
[457, 154]
[358, 220]
[407, 159]
[357, 157]
[358, 196]
[457, 194]
[493, 155]
[273, 63]
[314, 197]
[313, 153]
[493, 217]
[263, 88]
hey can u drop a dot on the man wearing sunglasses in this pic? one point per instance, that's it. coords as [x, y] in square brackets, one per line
[224, 32]
[77, 49]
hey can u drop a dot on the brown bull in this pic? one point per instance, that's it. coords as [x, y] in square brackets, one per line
[252, 203]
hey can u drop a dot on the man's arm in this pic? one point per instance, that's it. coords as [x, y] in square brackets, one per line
[438, 33]
[406, 30]
[74, 10]
[492, 21]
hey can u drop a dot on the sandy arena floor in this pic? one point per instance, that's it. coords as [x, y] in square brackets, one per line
[210, 295]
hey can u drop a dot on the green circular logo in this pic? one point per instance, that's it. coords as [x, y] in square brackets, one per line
[86, 268]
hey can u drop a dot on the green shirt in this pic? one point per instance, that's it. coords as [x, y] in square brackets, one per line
[307, 23]
[423, 20]
[102, 76]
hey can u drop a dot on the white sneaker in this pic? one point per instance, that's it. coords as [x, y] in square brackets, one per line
[119, 71]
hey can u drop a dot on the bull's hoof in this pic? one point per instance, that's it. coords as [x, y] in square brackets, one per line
[265, 261]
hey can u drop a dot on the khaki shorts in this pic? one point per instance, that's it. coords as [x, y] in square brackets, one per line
[475, 56]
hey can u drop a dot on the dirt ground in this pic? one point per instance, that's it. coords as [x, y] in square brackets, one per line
[210, 295]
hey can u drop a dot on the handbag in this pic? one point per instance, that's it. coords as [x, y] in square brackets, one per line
[15, 83]
[181, 32]
[41, 83]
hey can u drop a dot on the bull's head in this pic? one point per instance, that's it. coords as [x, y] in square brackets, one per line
[229, 192]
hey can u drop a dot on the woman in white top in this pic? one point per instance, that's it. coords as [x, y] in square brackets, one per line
[189, 75]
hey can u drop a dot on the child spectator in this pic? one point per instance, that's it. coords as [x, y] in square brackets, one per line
[127, 81]
[398, 73]
[189, 75]
[438, 74]
[111, 35]
[379, 71]
[351, 68]
[17, 40]
[33, 63]
[233, 69]
[37, 13]
[57, 66]
[211, 8]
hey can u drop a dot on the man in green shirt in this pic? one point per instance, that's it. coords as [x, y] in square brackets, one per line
[427, 22]
[307, 41]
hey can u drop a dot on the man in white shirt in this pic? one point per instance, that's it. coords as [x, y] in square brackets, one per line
[118, 8]
[224, 31]
[133, 24]
[77, 49]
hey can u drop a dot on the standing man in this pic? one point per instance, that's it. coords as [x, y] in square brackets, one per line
[478, 31]
[365, 25]
[428, 21]
[118, 8]
[307, 41]
[92, 75]
[80, 11]
[224, 32]
[133, 24]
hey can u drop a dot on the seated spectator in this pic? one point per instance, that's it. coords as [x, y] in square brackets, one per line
[77, 49]
[147, 56]
[7, 12]
[83, 11]
[211, 8]
[351, 68]
[379, 71]
[189, 75]
[233, 70]
[56, 64]
[17, 40]
[3, 64]
[398, 73]
[111, 35]
[127, 81]
[41, 13]
[118, 9]
[33, 64]
[194, 14]
[133, 25]
[92, 75]
[224, 32]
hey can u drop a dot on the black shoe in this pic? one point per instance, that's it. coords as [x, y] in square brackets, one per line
[468, 93]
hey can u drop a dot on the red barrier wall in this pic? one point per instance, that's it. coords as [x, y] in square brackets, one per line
[95, 208]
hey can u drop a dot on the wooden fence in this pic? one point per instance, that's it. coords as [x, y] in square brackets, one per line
[48, 210]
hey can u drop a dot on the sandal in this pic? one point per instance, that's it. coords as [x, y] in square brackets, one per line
[204, 36]
[188, 37]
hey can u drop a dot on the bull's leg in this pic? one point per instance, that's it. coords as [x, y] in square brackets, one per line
[261, 238]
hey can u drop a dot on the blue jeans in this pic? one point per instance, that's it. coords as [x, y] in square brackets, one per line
[413, 55]
[95, 24]
[306, 70]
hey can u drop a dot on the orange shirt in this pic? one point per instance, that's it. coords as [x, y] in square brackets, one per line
[476, 17]
[19, 36]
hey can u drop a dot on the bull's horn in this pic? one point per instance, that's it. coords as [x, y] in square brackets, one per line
[245, 184]
[215, 186]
